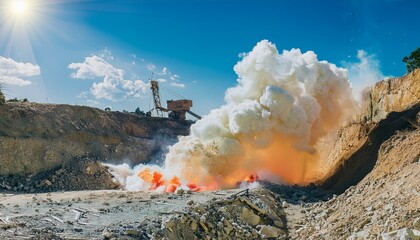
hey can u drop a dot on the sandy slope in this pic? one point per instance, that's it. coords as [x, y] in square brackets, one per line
[386, 200]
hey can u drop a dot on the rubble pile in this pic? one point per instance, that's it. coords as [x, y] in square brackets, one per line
[224, 214]
[88, 174]
[243, 216]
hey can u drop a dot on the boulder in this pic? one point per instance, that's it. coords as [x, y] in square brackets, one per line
[249, 217]
[267, 231]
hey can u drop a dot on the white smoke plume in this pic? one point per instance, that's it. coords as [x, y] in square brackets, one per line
[363, 73]
[282, 105]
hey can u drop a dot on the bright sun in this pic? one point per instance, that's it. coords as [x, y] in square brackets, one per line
[19, 7]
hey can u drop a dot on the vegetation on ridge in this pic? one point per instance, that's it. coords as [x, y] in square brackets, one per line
[413, 61]
[2, 98]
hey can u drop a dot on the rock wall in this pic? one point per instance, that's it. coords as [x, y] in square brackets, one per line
[40, 137]
[388, 106]
[391, 95]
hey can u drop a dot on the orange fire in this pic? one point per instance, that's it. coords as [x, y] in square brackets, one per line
[251, 178]
[156, 180]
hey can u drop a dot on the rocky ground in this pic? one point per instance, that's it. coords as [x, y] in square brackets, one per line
[88, 174]
[236, 214]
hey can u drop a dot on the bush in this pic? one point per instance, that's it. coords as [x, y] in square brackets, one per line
[413, 61]
[17, 100]
[139, 112]
[2, 98]
[13, 100]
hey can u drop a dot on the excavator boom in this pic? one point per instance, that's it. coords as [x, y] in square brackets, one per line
[194, 114]
[156, 98]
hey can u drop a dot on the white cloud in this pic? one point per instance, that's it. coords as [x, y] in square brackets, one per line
[151, 67]
[106, 54]
[105, 89]
[93, 103]
[363, 73]
[13, 72]
[83, 94]
[112, 83]
[93, 67]
[164, 71]
[136, 88]
[113, 86]
[14, 81]
[174, 77]
[178, 85]
[242, 55]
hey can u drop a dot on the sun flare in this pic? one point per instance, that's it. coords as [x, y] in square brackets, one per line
[19, 7]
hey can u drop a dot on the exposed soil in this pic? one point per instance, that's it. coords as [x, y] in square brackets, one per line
[355, 168]
[385, 201]
[35, 138]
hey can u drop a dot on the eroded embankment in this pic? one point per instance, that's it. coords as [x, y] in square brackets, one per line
[353, 169]
[351, 153]
[41, 142]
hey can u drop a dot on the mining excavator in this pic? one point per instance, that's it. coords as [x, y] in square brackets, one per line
[176, 109]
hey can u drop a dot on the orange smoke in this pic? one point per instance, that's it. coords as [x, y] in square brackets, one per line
[279, 158]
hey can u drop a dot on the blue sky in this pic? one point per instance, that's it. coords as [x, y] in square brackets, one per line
[75, 51]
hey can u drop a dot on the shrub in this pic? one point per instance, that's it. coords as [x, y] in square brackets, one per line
[2, 98]
[413, 61]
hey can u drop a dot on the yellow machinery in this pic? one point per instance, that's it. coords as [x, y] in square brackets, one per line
[177, 108]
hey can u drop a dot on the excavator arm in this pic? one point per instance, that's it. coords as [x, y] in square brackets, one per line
[194, 114]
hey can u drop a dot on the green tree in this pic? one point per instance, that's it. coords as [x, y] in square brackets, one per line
[2, 98]
[139, 112]
[413, 61]
[13, 100]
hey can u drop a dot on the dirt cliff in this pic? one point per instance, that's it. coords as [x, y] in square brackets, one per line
[39, 137]
[349, 154]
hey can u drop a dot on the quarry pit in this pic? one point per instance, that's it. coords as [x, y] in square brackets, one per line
[54, 186]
